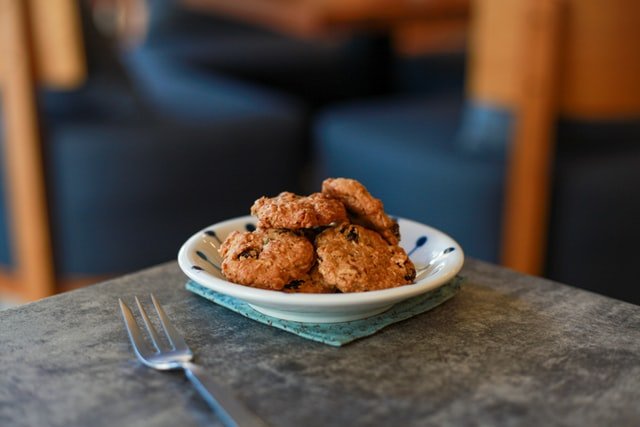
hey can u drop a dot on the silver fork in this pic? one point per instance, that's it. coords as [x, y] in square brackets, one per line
[230, 410]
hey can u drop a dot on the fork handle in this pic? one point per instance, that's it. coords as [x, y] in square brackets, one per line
[230, 410]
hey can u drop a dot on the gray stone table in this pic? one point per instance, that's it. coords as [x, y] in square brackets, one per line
[507, 350]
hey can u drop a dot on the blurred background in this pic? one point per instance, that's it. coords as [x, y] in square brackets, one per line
[128, 125]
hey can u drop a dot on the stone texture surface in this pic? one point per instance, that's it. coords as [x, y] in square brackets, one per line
[507, 350]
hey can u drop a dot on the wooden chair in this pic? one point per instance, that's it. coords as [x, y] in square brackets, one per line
[546, 59]
[41, 44]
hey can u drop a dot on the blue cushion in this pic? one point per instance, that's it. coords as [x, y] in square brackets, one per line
[404, 152]
[93, 99]
[126, 195]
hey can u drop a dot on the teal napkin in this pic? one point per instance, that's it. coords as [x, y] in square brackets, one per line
[337, 334]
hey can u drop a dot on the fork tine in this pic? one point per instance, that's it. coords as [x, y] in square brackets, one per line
[137, 341]
[172, 334]
[152, 331]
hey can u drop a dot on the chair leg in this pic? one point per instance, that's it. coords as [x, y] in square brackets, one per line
[23, 156]
[527, 193]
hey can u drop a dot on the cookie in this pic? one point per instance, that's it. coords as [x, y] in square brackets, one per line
[294, 212]
[312, 283]
[268, 259]
[354, 259]
[366, 210]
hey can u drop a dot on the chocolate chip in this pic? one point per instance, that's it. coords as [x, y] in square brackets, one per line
[352, 235]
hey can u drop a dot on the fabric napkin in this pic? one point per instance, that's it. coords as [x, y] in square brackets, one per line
[338, 334]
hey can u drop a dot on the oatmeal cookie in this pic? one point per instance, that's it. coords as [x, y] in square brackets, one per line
[312, 283]
[355, 259]
[366, 209]
[267, 259]
[294, 212]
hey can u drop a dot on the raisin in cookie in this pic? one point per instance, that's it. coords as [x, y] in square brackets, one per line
[294, 212]
[312, 283]
[366, 209]
[267, 259]
[355, 259]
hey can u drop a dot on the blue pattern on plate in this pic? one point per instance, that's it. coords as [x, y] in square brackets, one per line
[338, 334]
[419, 243]
[204, 257]
[212, 233]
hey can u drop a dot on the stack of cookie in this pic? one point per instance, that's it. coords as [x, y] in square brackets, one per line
[338, 240]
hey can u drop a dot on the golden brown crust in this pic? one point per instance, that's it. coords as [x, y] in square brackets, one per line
[294, 212]
[267, 259]
[366, 210]
[356, 259]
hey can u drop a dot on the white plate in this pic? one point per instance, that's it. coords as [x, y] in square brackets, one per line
[437, 257]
